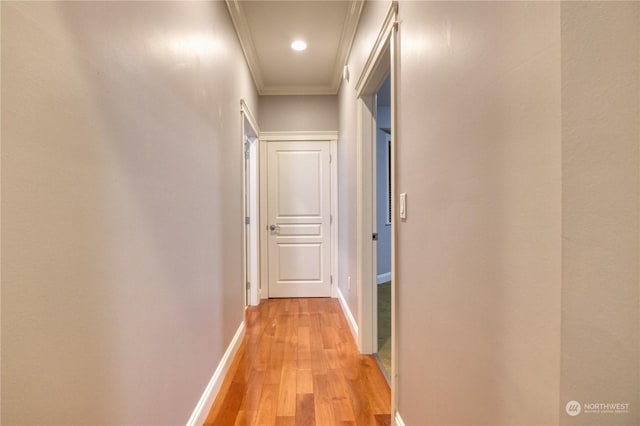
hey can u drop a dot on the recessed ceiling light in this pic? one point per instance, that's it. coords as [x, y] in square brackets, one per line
[299, 45]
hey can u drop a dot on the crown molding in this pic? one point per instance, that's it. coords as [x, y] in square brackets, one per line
[298, 90]
[246, 41]
[243, 31]
[346, 42]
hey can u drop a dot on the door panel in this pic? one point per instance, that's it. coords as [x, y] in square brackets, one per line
[299, 185]
[300, 262]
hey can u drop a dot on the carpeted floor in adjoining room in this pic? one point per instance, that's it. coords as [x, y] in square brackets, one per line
[384, 325]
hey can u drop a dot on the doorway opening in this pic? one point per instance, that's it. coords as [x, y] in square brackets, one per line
[381, 209]
[381, 65]
[250, 200]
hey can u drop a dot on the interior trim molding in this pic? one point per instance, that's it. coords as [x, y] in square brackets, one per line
[335, 219]
[398, 420]
[297, 90]
[248, 47]
[248, 120]
[244, 108]
[346, 42]
[353, 325]
[246, 41]
[378, 47]
[203, 406]
[299, 136]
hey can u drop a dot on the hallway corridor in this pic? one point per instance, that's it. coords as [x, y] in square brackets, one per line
[299, 365]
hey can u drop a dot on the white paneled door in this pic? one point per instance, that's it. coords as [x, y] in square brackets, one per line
[299, 208]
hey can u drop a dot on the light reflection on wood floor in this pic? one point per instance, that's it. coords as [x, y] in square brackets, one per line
[299, 365]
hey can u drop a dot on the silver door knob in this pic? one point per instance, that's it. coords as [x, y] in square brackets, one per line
[273, 227]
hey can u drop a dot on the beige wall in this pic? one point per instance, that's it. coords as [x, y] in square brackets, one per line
[518, 264]
[479, 255]
[600, 208]
[121, 244]
[298, 113]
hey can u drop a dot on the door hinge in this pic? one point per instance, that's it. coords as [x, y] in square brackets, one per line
[330, 219]
[330, 158]
[248, 285]
[331, 279]
[375, 236]
[247, 220]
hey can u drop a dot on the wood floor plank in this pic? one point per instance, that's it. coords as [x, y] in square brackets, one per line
[233, 399]
[333, 358]
[304, 348]
[305, 410]
[299, 365]
[383, 419]
[342, 407]
[246, 418]
[304, 382]
[251, 400]
[263, 353]
[376, 387]
[267, 409]
[274, 367]
[304, 306]
[287, 393]
[323, 403]
[361, 406]
[304, 320]
[285, 421]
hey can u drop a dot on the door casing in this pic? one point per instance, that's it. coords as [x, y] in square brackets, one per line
[382, 61]
[251, 235]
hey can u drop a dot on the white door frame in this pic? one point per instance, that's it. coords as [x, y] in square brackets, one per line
[382, 61]
[249, 126]
[265, 138]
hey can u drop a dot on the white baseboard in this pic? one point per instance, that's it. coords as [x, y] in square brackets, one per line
[353, 325]
[201, 411]
[398, 420]
[383, 278]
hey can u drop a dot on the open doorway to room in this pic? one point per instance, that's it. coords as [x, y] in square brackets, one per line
[382, 208]
[376, 182]
[250, 207]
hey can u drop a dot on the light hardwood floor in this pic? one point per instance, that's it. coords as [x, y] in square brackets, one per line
[299, 365]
